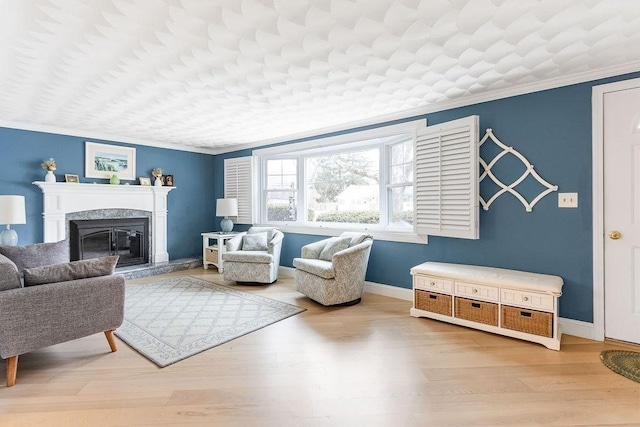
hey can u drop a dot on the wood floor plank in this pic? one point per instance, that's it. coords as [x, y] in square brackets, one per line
[370, 364]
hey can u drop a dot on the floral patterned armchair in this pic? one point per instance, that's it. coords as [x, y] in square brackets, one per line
[332, 271]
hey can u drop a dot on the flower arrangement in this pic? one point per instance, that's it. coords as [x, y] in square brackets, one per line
[49, 165]
[157, 172]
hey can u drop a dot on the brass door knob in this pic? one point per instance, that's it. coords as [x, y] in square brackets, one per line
[615, 235]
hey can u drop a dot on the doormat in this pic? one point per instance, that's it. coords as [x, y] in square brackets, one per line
[174, 319]
[625, 363]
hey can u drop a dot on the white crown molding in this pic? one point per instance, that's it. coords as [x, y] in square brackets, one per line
[347, 126]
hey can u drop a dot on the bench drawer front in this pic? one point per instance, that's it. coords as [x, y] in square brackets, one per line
[477, 311]
[527, 299]
[488, 293]
[435, 284]
[433, 302]
[529, 321]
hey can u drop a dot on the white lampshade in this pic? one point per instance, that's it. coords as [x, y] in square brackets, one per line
[12, 210]
[227, 207]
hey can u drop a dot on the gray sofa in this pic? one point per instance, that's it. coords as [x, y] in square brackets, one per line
[84, 298]
[250, 261]
[332, 271]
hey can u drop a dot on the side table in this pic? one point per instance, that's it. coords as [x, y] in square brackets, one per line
[212, 254]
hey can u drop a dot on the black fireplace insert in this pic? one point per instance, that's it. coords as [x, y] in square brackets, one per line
[127, 237]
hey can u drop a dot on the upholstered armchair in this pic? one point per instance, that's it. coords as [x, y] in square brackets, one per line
[43, 305]
[253, 256]
[332, 271]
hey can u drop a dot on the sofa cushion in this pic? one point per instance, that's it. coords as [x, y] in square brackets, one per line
[9, 277]
[254, 242]
[271, 231]
[37, 255]
[317, 267]
[334, 245]
[356, 237]
[248, 256]
[74, 270]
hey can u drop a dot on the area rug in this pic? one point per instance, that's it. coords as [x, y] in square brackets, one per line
[625, 363]
[171, 320]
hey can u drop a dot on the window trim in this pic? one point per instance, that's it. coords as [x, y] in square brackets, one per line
[341, 142]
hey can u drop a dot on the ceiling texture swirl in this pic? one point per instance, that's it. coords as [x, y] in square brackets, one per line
[218, 75]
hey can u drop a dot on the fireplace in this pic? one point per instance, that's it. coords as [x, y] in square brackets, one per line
[64, 202]
[126, 237]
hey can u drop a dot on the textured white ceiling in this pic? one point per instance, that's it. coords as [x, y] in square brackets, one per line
[216, 73]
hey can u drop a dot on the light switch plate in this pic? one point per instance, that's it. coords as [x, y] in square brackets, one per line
[567, 200]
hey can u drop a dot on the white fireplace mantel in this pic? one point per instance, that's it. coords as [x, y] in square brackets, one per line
[61, 198]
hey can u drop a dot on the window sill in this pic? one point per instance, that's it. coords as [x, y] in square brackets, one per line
[387, 235]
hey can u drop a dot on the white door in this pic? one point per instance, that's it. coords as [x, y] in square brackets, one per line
[622, 214]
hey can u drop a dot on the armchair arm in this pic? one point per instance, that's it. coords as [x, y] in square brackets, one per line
[352, 262]
[44, 315]
[235, 243]
[275, 242]
[312, 250]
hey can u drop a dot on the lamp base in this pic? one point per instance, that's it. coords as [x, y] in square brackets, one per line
[8, 237]
[226, 225]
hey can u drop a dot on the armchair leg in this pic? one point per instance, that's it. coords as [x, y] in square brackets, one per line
[12, 370]
[111, 339]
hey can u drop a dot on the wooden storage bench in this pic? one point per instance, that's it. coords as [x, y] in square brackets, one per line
[507, 302]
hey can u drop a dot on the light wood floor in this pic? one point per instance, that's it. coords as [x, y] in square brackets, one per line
[366, 365]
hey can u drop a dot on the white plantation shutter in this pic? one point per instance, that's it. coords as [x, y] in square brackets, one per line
[446, 179]
[237, 184]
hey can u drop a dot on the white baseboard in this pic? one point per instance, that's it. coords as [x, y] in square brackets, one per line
[576, 328]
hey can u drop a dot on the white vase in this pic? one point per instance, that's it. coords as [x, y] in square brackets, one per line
[49, 177]
[158, 182]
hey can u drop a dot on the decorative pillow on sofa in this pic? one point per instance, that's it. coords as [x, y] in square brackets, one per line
[37, 255]
[271, 231]
[254, 242]
[333, 246]
[74, 270]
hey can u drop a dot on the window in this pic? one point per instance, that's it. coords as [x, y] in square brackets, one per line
[400, 182]
[281, 192]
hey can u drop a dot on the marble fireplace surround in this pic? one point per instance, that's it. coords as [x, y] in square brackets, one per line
[62, 199]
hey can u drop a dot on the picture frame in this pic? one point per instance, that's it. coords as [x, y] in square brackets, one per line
[167, 180]
[71, 178]
[104, 161]
[144, 181]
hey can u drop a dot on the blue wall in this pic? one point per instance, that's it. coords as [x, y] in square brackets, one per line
[552, 129]
[191, 205]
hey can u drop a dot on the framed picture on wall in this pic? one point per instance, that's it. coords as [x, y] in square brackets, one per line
[104, 161]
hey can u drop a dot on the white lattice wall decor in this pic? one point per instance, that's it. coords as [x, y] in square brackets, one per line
[511, 187]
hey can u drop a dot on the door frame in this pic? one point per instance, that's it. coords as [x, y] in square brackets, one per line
[597, 102]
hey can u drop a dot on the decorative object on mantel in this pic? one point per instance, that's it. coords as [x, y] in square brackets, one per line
[103, 161]
[49, 166]
[203, 315]
[114, 180]
[167, 180]
[12, 211]
[157, 173]
[511, 187]
[226, 208]
[144, 181]
[71, 178]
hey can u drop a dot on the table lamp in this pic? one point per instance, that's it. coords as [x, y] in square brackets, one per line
[12, 211]
[226, 208]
